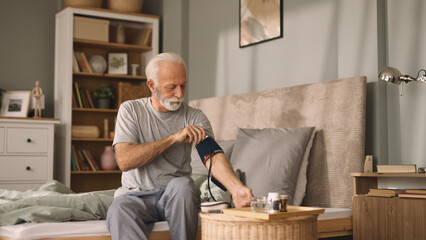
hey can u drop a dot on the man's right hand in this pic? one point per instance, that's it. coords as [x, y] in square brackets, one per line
[189, 134]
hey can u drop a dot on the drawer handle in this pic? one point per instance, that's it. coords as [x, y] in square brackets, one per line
[28, 168]
[28, 140]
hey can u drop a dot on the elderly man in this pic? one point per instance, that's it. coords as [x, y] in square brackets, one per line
[153, 145]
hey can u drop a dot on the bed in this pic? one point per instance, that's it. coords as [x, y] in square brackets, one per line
[336, 111]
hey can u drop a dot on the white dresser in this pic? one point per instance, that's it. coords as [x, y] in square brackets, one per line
[26, 152]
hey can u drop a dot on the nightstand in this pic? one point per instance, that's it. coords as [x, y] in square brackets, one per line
[26, 152]
[387, 218]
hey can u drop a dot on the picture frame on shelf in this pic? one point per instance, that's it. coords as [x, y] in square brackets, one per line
[15, 103]
[118, 63]
[260, 21]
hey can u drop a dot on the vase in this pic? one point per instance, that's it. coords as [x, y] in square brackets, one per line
[121, 35]
[108, 159]
[98, 64]
[103, 103]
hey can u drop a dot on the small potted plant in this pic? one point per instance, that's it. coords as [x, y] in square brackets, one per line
[103, 95]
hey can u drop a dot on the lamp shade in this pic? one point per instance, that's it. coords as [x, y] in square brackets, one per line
[391, 75]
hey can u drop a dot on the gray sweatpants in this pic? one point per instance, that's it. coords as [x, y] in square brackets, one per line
[132, 216]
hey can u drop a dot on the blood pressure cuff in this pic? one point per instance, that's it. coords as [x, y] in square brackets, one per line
[207, 149]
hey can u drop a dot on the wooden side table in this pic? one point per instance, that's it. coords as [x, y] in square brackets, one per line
[297, 223]
[386, 218]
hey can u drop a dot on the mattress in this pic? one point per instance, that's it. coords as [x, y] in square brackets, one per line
[98, 228]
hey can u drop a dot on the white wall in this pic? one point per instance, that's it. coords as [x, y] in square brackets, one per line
[406, 51]
[323, 40]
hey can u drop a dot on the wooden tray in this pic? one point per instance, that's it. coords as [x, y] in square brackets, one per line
[292, 211]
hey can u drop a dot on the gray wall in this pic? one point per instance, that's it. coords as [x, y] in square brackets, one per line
[27, 46]
[322, 40]
[407, 113]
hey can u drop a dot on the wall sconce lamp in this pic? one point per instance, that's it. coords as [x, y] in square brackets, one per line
[393, 75]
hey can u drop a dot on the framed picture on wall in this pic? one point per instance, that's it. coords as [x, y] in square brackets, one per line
[260, 21]
[15, 104]
[117, 63]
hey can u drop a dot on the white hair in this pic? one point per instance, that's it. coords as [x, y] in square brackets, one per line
[153, 66]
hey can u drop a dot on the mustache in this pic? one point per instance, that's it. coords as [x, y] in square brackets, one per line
[174, 100]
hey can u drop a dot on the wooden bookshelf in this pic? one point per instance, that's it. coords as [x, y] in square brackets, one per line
[69, 75]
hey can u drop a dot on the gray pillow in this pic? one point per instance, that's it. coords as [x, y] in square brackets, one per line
[270, 159]
[196, 164]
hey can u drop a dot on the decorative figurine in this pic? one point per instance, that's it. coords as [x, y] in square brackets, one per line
[37, 93]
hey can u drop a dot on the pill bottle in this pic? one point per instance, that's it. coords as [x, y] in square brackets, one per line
[283, 203]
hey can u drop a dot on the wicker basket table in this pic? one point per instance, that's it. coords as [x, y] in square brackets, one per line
[297, 223]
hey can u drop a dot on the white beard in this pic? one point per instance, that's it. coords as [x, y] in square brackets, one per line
[171, 104]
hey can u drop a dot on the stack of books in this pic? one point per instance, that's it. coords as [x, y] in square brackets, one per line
[80, 63]
[144, 37]
[82, 160]
[413, 193]
[385, 192]
[400, 168]
[81, 97]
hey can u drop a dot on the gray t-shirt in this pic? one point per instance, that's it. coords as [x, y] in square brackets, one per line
[139, 122]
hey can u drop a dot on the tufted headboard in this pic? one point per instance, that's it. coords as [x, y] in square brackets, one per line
[335, 108]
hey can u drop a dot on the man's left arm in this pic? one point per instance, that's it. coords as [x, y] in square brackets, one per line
[223, 172]
[222, 169]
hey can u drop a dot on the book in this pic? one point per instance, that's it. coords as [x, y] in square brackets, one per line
[89, 68]
[385, 192]
[412, 195]
[380, 195]
[144, 36]
[422, 191]
[77, 92]
[147, 37]
[89, 98]
[84, 161]
[139, 36]
[73, 165]
[400, 168]
[74, 101]
[75, 66]
[91, 161]
[76, 160]
[81, 62]
[84, 98]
